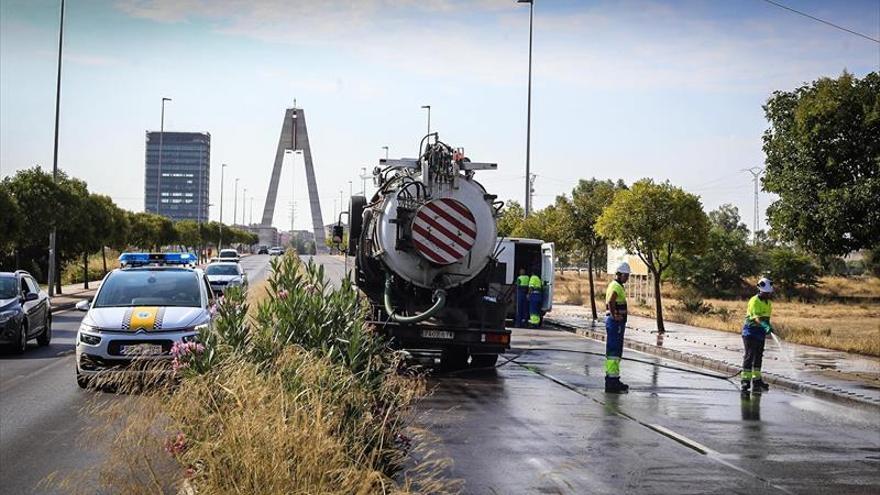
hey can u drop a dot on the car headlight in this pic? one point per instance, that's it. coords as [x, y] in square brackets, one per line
[7, 315]
[235, 281]
[198, 329]
[87, 338]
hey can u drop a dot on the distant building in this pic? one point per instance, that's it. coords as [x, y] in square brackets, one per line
[182, 189]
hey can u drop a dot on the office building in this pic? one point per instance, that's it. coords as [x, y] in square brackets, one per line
[179, 190]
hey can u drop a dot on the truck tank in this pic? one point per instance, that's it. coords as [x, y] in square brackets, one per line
[424, 248]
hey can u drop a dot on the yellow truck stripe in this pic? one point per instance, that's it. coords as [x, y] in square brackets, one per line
[143, 318]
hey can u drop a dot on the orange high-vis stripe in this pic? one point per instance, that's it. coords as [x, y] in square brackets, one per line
[143, 318]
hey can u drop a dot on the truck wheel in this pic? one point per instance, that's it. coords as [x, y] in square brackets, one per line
[455, 358]
[356, 222]
[484, 360]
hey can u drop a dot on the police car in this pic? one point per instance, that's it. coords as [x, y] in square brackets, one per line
[141, 310]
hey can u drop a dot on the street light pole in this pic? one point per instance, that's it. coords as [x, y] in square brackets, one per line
[220, 240]
[528, 208]
[243, 206]
[159, 175]
[428, 107]
[53, 232]
[235, 203]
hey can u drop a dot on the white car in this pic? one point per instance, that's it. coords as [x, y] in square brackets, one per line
[142, 310]
[276, 251]
[224, 274]
[229, 254]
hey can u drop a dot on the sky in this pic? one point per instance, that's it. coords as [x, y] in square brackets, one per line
[621, 89]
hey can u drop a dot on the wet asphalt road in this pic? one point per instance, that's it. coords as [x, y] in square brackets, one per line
[543, 424]
[41, 423]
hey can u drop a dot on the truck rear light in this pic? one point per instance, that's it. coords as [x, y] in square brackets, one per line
[496, 338]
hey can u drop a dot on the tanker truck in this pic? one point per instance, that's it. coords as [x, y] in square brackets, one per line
[425, 255]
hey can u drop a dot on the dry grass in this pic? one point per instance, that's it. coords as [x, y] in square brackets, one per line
[844, 314]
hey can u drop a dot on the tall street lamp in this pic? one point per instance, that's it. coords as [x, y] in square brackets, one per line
[52, 233]
[428, 107]
[528, 208]
[235, 203]
[220, 240]
[159, 175]
[243, 205]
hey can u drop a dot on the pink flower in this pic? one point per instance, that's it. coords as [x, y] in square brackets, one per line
[282, 294]
[177, 445]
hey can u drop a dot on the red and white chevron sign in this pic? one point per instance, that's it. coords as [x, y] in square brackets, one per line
[444, 231]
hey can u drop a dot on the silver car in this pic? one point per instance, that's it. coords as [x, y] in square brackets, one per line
[141, 311]
[225, 274]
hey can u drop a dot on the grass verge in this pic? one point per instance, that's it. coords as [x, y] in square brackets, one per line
[830, 319]
[292, 395]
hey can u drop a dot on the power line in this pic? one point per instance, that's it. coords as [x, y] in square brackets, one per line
[823, 21]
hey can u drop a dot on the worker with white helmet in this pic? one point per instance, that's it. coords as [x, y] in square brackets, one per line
[615, 324]
[754, 332]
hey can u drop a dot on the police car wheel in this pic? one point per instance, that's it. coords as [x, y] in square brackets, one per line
[82, 380]
[44, 338]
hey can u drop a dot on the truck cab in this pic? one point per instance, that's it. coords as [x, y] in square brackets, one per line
[533, 255]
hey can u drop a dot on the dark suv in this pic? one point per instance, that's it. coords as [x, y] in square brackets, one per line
[25, 312]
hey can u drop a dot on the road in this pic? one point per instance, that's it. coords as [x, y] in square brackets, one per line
[41, 423]
[542, 423]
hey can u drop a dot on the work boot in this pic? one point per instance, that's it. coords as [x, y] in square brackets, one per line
[746, 385]
[614, 386]
[760, 385]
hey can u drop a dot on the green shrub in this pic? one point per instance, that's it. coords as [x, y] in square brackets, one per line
[791, 270]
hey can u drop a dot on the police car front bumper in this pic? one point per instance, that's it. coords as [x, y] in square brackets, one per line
[98, 351]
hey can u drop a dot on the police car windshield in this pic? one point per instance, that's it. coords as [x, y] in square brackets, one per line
[8, 287]
[221, 269]
[150, 288]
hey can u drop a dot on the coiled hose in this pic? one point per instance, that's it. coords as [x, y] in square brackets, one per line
[439, 301]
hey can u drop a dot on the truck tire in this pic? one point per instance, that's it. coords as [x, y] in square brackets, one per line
[454, 358]
[355, 222]
[484, 360]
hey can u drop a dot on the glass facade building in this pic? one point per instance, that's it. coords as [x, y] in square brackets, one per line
[180, 192]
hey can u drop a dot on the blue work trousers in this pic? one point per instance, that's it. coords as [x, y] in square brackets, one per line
[535, 298]
[522, 307]
[614, 331]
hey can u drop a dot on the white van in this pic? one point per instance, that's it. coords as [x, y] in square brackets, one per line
[513, 253]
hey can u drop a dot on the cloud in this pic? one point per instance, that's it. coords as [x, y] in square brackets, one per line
[604, 46]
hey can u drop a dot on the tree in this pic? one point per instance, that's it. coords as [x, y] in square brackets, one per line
[823, 160]
[790, 269]
[10, 220]
[727, 259]
[655, 221]
[588, 199]
[550, 224]
[510, 218]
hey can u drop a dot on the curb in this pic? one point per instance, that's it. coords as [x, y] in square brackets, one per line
[814, 389]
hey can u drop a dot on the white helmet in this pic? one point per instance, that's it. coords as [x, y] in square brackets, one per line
[765, 285]
[623, 268]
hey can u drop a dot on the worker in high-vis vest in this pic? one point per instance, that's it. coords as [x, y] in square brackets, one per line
[615, 325]
[754, 332]
[522, 299]
[536, 295]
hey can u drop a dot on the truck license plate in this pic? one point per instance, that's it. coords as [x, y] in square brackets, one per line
[438, 334]
[141, 350]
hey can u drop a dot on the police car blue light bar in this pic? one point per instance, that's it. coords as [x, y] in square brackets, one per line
[139, 259]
